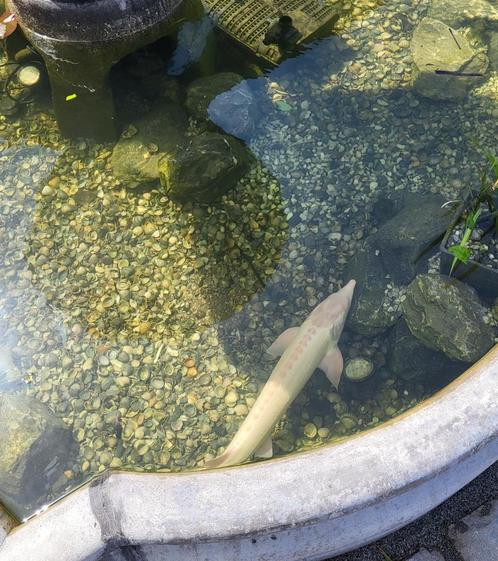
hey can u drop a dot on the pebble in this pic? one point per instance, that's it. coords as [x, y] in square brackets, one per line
[231, 398]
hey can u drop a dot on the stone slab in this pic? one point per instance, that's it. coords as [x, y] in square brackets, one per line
[424, 555]
[476, 535]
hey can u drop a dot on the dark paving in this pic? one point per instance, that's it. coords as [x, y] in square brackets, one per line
[431, 531]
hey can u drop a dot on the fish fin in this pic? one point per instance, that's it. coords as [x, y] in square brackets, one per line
[265, 449]
[278, 346]
[332, 364]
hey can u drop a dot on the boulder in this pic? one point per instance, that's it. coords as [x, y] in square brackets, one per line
[408, 358]
[371, 310]
[446, 315]
[459, 13]
[437, 47]
[201, 92]
[206, 169]
[135, 157]
[34, 449]
[402, 240]
[235, 111]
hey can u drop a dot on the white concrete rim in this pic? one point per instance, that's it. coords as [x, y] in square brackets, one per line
[406, 466]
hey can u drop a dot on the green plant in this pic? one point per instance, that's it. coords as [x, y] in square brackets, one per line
[488, 195]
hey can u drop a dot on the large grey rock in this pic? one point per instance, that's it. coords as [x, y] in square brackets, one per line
[409, 358]
[459, 13]
[207, 168]
[371, 312]
[235, 111]
[403, 239]
[476, 535]
[135, 159]
[436, 46]
[446, 315]
[201, 92]
[34, 449]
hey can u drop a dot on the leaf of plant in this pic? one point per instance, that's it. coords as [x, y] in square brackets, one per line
[283, 106]
[493, 160]
[460, 252]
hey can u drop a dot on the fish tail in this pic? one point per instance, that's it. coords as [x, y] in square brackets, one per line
[220, 461]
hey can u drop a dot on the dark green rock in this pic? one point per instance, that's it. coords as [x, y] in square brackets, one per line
[446, 315]
[201, 92]
[408, 358]
[402, 240]
[35, 449]
[369, 313]
[207, 168]
[135, 160]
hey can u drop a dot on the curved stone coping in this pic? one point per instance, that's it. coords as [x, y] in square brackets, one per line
[307, 506]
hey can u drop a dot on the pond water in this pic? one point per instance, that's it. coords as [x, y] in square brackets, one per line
[134, 328]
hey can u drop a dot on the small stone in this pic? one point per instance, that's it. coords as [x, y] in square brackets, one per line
[310, 430]
[192, 372]
[122, 381]
[231, 398]
[189, 363]
[358, 369]
[241, 409]
[47, 191]
[323, 432]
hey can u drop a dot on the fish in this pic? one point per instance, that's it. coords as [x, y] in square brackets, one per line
[302, 349]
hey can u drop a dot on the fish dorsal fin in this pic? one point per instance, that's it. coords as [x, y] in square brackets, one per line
[265, 449]
[278, 347]
[332, 364]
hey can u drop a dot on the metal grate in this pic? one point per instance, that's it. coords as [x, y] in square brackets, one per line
[247, 21]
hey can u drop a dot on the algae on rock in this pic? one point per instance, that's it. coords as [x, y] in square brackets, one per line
[446, 315]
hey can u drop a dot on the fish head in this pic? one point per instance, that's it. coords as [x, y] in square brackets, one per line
[333, 311]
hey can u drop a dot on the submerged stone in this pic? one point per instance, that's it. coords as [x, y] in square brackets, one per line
[446, 315]
[135, 158]
[408, 358]
[235, 111]
[202, 91]
[358, 369]
[207, 168]
[370, 313]
[441, 55]
[403, 239]
[34, 448]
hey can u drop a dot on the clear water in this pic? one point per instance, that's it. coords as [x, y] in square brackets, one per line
[142, 324]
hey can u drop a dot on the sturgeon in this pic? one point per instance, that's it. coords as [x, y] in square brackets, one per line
[302, 350]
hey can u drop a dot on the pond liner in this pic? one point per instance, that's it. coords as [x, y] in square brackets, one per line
[479, 276]
[303, 507]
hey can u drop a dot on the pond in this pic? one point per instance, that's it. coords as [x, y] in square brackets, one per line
[138, 299]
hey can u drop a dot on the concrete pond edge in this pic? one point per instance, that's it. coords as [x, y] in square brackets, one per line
[307, 506]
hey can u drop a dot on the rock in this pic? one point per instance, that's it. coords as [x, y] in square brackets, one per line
[34, 449]
[135, 159]
[358, 369]
[207, 168]
[201, 92]
[459, 13]
[403, 239]
[8, 107]
[408, 358]
[235, 111]
[446, 315]
[435, 46]
[476, 536]
[369, 314]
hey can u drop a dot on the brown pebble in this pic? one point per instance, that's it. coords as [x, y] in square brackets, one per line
[192, 372]
[54, 182]
[190, 363]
